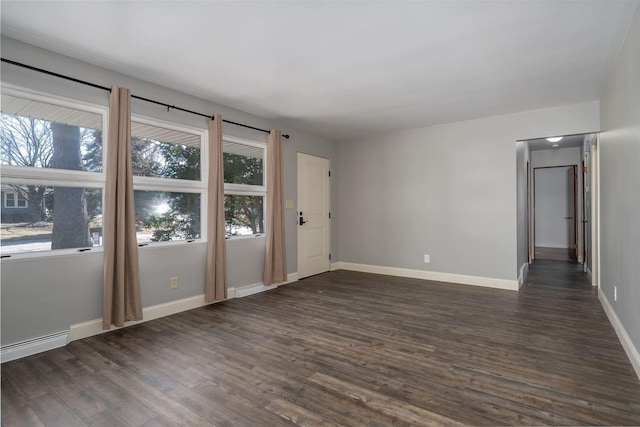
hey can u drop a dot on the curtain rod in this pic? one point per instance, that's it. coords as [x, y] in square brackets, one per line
[108, 89]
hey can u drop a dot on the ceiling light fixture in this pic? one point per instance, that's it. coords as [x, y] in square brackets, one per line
[556, 145]
[554, 139]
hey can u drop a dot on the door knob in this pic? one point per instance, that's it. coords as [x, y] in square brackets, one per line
[302, 221]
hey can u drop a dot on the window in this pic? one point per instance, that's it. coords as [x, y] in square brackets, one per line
[168, 183]
[165, 216]
[244, 187]
[14, 200]
[51, 158]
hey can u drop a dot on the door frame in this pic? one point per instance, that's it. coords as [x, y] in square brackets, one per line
[298, 228]
[595, 210]
[575, 207]
[529, 258]
[584, 211]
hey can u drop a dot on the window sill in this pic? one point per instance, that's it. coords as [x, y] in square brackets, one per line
[173, 243]
[237, 238]
[64, 253]
[58, 253]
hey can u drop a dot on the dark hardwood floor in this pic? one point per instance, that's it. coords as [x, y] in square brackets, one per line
[345, 349]
[558, 275]
[556, 254]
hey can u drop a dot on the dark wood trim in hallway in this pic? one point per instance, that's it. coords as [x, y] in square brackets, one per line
[346, 348]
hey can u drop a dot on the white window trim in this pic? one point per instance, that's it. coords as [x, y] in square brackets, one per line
[51, 182]
[6, 201]
[249, 190]
[149, 183]
[60, 174]
[16, 200]
[24, 175]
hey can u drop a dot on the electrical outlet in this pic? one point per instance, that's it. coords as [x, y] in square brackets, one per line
[615, 293]
[174, 283]
[427, 258]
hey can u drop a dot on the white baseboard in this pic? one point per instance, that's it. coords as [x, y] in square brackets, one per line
[625, 340]
[33, 346]
[256, 288]
[291, 277]
[336, 266]
[433, 275]
[590, 277]
[524, 270]
[94, 327]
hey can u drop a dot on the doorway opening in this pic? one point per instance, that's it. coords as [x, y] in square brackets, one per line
[555, 213]
[558, 202]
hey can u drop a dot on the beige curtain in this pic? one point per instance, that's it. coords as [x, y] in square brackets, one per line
[275, 263]
[121, 286]
[215, 287]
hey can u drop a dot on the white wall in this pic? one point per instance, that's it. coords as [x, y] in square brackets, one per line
[448, 191]
[46, 295]
[620, 185]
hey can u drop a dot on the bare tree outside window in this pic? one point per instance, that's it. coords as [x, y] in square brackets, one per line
[56, 217]
[27, 142]
[70, 218]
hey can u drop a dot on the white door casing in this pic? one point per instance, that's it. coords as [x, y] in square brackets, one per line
[554, 219]
[313, 215]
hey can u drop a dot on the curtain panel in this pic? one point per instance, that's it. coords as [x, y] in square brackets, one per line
[215, 288]
[275, 264]
[121, 276]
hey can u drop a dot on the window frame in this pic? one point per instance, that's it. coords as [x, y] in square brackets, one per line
[19, 198]
[16, 200]
[175, 185]
[51, 177]
[247, 189]
[6, 200]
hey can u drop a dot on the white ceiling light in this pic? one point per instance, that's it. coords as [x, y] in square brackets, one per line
[556, 145]
[554, 139]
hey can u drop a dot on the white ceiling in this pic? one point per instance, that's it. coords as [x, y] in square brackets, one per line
[345, 69]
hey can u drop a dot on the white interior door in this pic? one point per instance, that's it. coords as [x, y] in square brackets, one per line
[313, 215]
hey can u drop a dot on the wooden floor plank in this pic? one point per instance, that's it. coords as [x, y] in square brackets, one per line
[349, 349]
[15, 411]
[404, 412]
[297, 415]
[54, 412]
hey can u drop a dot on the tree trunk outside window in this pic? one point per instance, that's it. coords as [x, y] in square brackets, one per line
[70, 218]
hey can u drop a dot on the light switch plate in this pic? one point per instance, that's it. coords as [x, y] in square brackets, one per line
[289, 204]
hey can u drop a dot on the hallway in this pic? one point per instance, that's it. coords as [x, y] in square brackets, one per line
[558, 275]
